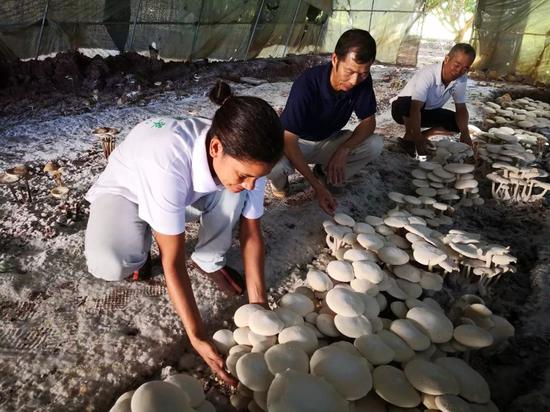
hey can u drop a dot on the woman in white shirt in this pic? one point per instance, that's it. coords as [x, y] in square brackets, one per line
[166, 170]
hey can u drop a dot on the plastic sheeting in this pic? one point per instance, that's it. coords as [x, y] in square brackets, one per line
[513, 37]
[180, 29]
[194, 29]
[396, 25]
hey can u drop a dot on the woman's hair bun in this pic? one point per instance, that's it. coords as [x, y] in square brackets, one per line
[220, 93]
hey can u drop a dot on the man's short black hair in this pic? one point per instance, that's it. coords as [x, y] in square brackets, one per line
[463, 48]
[359, 42]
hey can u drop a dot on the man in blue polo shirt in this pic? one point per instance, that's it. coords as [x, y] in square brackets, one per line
[320, 104]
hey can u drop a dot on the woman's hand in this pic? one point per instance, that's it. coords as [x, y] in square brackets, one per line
[206, 349]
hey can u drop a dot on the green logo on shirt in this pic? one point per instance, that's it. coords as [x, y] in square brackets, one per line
[159, 124]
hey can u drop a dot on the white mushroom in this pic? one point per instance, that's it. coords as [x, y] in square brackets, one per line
[293, 391]
[391, 385]
[160, 396]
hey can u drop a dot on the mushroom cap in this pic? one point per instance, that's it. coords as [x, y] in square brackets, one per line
[160, 396]
[399, 241]
[190, 385]
[353, 326]
[285, 356]
[374, 220]
[368, 270]
[374, 349]
[426, 192]
[293, 391]
[19, 170]
[427, 254]
[473, 387]
[341, 271]
[391, 384]
[300, 335]
[418, 174]
[392, 255]
[242, 314]
[473, 336]
[396, 197]
[51, 167]
[428, 165]
[407, 272]
[337, 231]
[253, 372]
[438, 327]
[345, 302]
[370, 241]
[395, 221]
[344, 220]
[414, 337]
[428, 377]
[466, 249]
[240, 335]
[265, 323]
[364, 286]
[298, 303]
[325, 324]
[349, 374]
[442, 173]
[319, 281]
[465, 184]
[60, 192]
[362, 227]
[431, 281]
[223, 340]
[459, 168]
[6, 179]
[420, 183]
[403, 352]
[355, 255]
[413, 200]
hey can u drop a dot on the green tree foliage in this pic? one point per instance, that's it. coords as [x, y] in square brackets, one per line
[457, 15]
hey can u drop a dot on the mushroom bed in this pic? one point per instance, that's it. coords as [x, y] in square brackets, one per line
[428, 290]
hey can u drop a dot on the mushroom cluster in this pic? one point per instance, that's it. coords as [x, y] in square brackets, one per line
[512, 146]
[59, 191]
[180, 392]
[525, 113]
[13, 177]
[518, 184]
[361, 330]
[448, 150]
[107, 138]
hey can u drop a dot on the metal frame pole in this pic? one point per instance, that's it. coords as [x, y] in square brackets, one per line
[291, 27]
[42, 28]
[134, 26]
[371, 13]
[321, 32]
[196, 34]
[254, 30]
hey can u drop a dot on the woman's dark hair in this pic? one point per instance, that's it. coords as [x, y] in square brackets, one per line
[248, 127]
[359, 42]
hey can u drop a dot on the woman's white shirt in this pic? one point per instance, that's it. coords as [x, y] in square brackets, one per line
[162, 166]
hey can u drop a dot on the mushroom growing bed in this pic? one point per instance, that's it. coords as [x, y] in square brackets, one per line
[70, 342]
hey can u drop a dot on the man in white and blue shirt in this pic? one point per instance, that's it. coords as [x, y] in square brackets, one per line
[419, 104]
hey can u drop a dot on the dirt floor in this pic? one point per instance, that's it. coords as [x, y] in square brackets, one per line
[69, 342]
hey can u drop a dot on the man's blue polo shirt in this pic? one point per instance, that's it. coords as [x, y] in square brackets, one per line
[314, 111]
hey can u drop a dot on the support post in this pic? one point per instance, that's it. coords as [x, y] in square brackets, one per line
[291, 27]
[371, 11]
[138, 10]
[196, 34]
[254, 30]
[42, 28]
